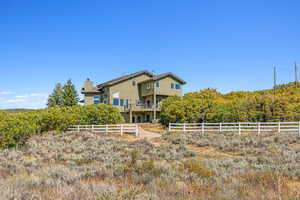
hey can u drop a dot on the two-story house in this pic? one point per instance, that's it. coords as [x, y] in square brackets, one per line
[138, 95]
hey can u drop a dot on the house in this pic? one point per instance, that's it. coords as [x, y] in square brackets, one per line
[137, 95]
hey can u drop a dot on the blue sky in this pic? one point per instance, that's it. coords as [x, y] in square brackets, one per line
[228, 45]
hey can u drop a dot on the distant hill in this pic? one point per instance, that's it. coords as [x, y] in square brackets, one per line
[18, 110]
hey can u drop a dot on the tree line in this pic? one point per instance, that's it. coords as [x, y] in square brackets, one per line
[278, 104]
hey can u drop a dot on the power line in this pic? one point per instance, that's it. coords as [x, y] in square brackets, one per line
[275, 80]
[296, 75]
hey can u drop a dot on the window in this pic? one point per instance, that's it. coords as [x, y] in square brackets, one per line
[97, 97]
[133, 82]
[172, 85]
[127, 102]
[115, 101]
[148, 85]
[121, 102]
[178, 86]
[157, 84]
[96, 101]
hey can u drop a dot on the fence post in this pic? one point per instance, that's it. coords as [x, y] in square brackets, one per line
[299, 127]
[136, 130]
[78, 128]
[202, 128]
[93, 128]
[121, 129]
[258, 128]
[106, 129]
[220, 129]
[239, 128]
[279, 128]
[169, 127]
[184, 127]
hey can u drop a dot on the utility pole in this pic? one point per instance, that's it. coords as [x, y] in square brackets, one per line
[296, 75]
[275, 80]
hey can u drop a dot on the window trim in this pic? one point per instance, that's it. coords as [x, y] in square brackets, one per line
[157, 84]
[172, 86]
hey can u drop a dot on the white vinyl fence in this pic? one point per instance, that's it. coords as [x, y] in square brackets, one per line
[239, 127]
[107, 128]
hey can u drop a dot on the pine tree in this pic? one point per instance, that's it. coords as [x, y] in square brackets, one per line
[56, 98]
[70, 96]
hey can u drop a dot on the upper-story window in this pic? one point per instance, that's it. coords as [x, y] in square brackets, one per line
[178, 86]
[157, 84]
[133, 82]
[148, 85]
[115, 101]
[97, 97]
[172, 86]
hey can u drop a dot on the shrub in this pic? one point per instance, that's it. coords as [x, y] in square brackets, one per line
[198, 168]
[210, 106]
[15, 129]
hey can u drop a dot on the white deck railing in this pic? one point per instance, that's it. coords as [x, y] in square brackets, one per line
[107, 128]
[238, 127]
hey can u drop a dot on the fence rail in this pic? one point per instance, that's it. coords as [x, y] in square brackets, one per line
[107, 128]
[239, 127]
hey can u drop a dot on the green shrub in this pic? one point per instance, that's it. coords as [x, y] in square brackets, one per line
[210, 106]
[198, 168]
[15, 129]
[149, 167]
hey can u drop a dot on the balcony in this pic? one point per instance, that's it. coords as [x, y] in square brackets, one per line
[142, 107]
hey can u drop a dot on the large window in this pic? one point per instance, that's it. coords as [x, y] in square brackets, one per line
[115, 101]
[121, 102]
[178, 86]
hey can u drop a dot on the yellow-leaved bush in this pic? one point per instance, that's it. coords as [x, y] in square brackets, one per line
[209, 105]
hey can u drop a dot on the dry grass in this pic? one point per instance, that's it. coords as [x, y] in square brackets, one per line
[95, 167]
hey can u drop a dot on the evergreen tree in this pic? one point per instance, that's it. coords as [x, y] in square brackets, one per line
[56, 98]
[70, 96]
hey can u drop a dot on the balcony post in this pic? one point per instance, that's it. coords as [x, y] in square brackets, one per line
[154, 102]
[130, 111]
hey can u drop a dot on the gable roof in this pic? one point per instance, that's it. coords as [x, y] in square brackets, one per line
[124, 78]
[161, 76]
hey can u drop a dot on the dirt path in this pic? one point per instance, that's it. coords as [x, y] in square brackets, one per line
[147, 134]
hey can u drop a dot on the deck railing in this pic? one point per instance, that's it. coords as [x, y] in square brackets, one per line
[107, 128]
[239, 127]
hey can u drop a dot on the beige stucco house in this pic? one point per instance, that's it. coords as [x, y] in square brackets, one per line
[137, 95]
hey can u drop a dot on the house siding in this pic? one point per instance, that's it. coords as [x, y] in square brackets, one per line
[126, 90]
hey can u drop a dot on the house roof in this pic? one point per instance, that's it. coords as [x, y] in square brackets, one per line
[161, 76]
[124, 78]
